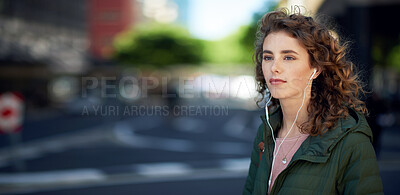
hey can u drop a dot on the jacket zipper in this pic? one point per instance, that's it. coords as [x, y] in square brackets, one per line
[270, 156]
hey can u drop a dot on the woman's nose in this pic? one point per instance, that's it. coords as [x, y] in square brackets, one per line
[276, 66]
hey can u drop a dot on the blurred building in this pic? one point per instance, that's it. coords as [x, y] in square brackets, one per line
[369, 24]
[41, 40]
[46, 32]
[106, 19]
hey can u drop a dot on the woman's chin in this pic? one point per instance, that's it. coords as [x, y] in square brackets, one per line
[278, 94]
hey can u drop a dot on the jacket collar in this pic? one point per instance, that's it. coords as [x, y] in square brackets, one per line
[318, 148]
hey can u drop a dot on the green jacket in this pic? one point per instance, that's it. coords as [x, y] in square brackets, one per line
[341, 161]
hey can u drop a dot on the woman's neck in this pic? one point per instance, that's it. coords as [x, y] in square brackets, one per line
[289, 111]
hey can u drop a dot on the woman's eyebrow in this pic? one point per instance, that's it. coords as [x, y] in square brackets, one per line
[289, 51]
[268, 51]
[283, 51]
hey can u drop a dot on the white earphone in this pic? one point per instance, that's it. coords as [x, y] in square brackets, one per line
[272, 131]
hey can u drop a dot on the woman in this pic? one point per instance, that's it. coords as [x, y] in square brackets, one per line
[321, 142]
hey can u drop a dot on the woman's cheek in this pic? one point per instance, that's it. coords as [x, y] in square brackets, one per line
[264, 73]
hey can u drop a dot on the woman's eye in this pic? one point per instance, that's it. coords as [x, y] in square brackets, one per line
[289, 58]
[267, 58]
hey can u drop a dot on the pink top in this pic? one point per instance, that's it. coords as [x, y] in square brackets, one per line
[288, 148]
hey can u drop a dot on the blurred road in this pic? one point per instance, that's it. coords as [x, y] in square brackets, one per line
[135, 153]
[203, 154]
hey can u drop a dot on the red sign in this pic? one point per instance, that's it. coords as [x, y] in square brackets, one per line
[11, 112]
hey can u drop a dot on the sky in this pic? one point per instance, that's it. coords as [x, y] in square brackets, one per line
[215, 19]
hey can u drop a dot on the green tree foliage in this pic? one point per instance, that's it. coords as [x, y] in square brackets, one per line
[386, 52]
[229, 50]
[157, 45]
[394, 57]
[161, 45]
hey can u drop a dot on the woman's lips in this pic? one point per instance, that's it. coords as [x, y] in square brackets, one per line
[276, 81]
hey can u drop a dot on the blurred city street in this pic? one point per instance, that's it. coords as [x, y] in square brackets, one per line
[141, 154]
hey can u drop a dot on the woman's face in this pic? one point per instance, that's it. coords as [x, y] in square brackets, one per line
[285, 66]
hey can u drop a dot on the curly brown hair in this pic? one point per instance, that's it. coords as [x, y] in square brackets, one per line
[338, 86]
